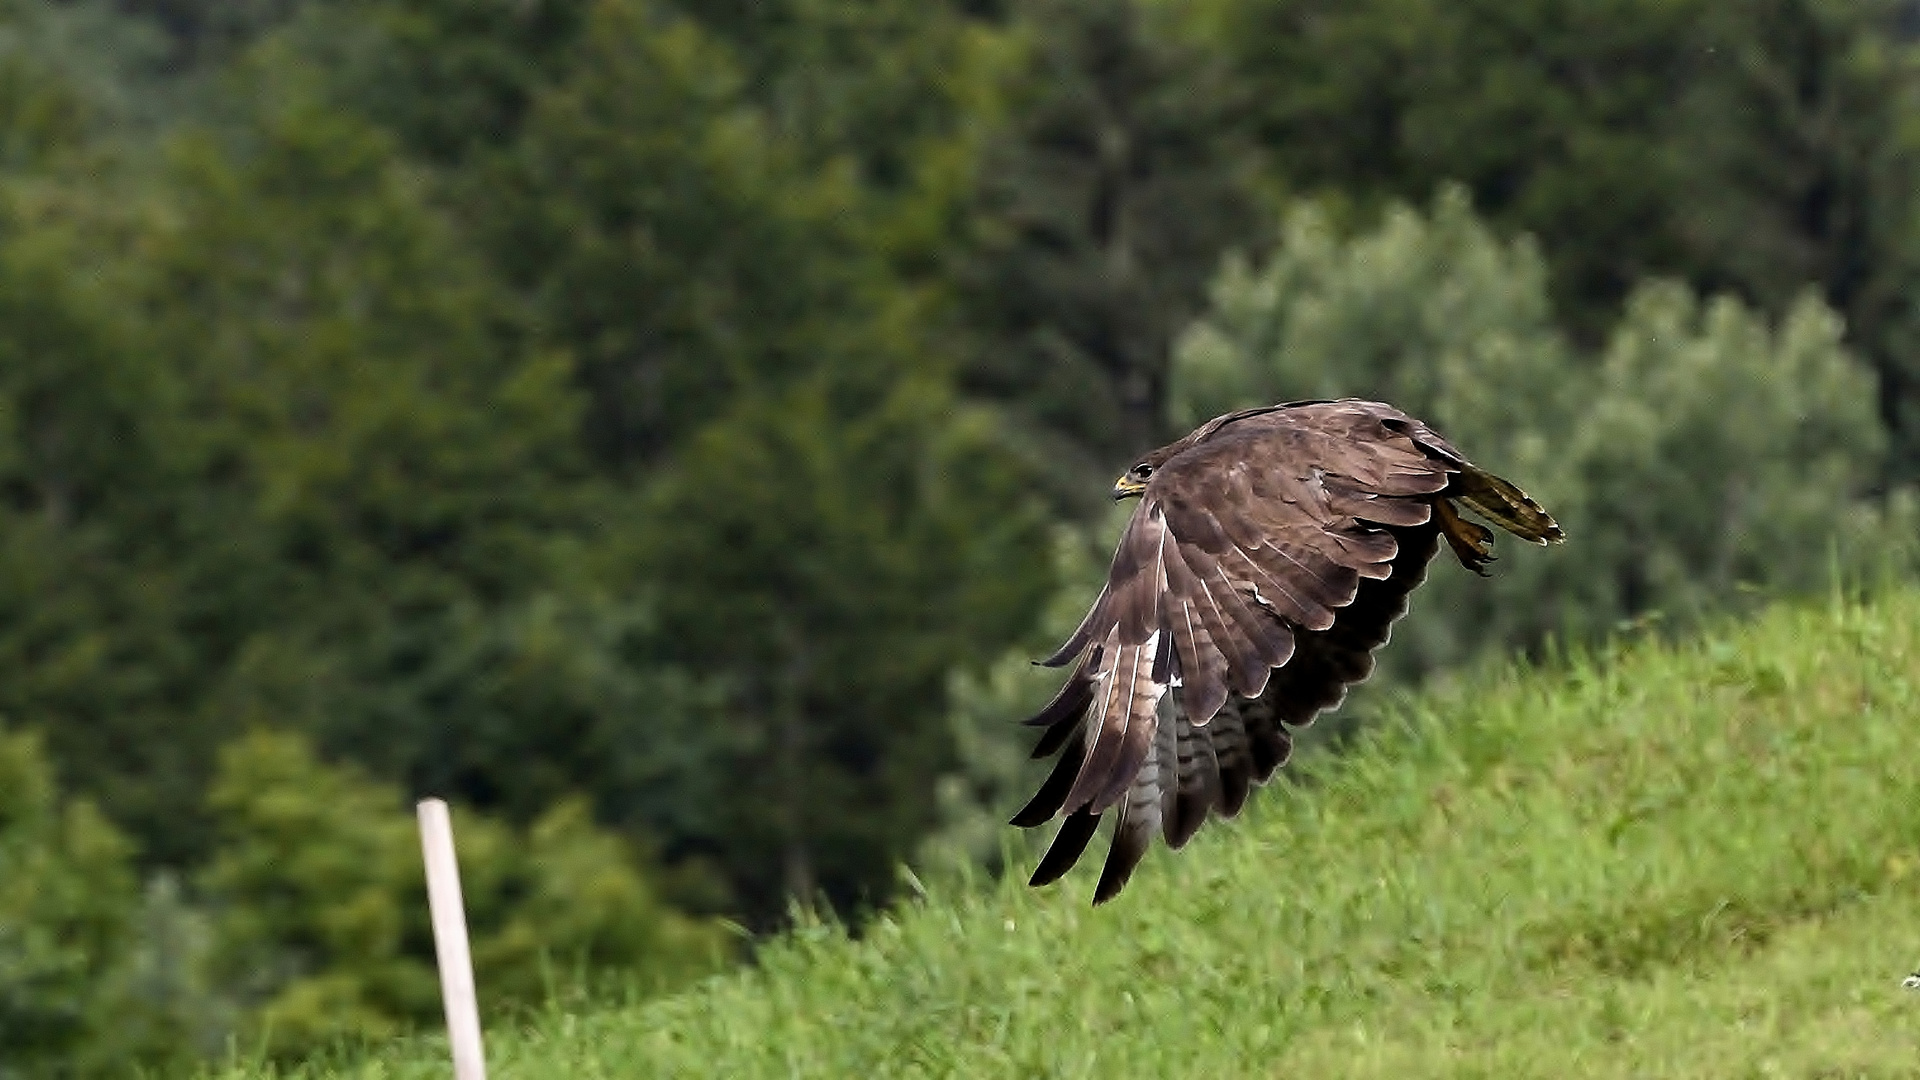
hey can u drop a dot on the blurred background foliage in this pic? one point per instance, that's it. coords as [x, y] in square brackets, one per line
[668, 428]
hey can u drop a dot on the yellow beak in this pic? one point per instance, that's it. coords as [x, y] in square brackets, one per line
[1127, 487]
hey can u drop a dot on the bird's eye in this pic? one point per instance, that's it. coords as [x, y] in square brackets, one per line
[1143, 470]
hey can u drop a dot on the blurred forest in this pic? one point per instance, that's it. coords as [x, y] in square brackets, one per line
[668, 428]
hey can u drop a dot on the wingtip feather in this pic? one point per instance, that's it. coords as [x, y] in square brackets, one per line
[1068, 844]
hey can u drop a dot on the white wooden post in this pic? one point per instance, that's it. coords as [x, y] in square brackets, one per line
[450, 941]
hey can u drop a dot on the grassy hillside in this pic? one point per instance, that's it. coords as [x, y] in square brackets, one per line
[1700, 860]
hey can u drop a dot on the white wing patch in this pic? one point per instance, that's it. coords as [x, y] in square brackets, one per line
[1121, 716]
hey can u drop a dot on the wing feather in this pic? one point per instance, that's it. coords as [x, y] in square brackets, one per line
[1269, 743]
[1067, 705]
[1076, 642]
[1230, 751]
[1208, 649]
[1197, 786]
[1052, 795]
[1246, 669]
[1330, 662]
[1067, 846]
[1133, 832]
[1131, 674]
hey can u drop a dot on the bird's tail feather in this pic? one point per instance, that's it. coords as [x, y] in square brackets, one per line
[1506, 506]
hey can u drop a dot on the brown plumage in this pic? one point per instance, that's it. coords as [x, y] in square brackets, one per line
[1272, 552]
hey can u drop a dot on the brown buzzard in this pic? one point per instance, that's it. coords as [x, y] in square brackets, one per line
[1272, 551]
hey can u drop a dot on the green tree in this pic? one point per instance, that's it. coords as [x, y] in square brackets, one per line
[69, 934]
[347, 465]
[452, 80]
[834, 552]
[338, 426]
[77, 76]
[689, 244]
[1752, 146]
[758, 360]
[1746, 450]
[660, 232]
[879, 83]
[992, 769]
[88, 597]
[320, 903]
[1101, 207]
[197, 35]
[272, 452]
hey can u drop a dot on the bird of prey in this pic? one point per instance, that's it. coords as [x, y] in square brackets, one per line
[1271, 553]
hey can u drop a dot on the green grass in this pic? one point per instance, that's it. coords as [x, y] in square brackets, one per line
[1691, 860]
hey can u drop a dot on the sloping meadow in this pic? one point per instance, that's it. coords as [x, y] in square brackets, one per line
[1694, 859]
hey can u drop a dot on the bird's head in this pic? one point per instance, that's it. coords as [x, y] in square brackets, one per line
[1134, 481]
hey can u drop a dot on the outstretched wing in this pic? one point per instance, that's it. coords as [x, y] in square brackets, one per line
[1267, 560]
